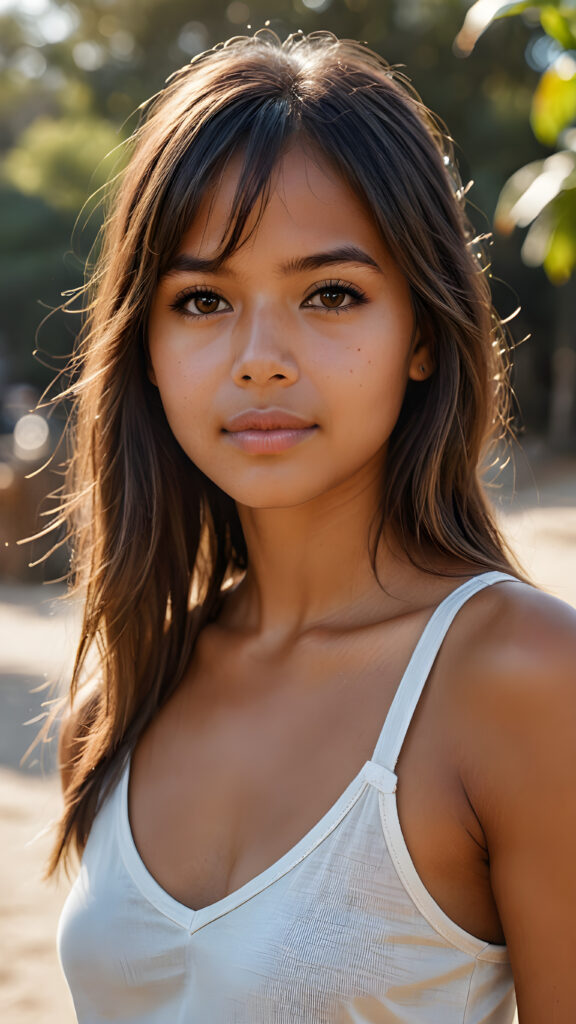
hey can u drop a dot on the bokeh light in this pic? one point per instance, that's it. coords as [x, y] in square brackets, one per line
[237, 12]
[30, 436]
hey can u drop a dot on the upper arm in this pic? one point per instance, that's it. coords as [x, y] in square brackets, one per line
[520, 775]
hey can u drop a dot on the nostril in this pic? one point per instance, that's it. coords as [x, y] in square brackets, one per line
[273, 376]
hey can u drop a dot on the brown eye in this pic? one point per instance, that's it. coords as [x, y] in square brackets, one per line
[335, 295]
[206, 303]
[196, 304]
[331, 297]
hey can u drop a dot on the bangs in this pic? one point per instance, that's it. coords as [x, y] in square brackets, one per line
[259, 138]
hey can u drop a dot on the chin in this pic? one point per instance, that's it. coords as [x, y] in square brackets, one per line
[273, 500]
[272, 494]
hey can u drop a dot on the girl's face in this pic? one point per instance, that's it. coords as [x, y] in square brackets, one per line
[307, 329]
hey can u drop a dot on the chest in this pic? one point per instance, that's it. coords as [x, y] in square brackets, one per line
[284, 947]
[237, 769]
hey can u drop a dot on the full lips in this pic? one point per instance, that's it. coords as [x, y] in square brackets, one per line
[269, 442]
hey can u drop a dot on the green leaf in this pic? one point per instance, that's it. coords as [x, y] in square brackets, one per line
[554, 101]
[560, 260]
[558, 15]
[558, 25]
[537, 242]
[531, 190]
[516, 186]
[511, 9]
[480, 16]
[551, 240]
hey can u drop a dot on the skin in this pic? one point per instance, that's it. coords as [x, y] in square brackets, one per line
[286, 693]
[345, 369]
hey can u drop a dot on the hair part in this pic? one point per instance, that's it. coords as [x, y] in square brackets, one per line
[155, 539]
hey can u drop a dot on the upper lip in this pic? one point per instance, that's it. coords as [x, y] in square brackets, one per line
[267, 419]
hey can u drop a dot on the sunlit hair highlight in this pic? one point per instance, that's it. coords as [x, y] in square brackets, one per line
[155, 540]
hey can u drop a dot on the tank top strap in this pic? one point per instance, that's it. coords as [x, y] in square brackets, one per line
[418, 669]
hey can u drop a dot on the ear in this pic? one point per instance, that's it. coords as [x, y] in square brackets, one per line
[421, 361]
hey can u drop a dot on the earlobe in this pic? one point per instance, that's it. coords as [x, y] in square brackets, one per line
[421, 362]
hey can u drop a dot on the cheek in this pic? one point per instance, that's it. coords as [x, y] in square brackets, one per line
[373, 384]
[182, 402]
[185, 396]
[182, 375]
[377, 411]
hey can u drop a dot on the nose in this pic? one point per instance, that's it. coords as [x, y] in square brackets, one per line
[263, 351]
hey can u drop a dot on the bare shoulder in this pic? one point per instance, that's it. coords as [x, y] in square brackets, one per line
[512, 680]
[516, 637]
[513, 676]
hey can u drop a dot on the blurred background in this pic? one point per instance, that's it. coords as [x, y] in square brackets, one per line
[72, 74]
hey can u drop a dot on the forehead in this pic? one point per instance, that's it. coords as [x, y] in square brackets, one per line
[309, 205]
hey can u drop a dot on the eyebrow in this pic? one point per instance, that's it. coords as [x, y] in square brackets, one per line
[345, 254]
[185, 262]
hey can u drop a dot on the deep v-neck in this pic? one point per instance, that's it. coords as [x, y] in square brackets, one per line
[369, 774]
[377, 772]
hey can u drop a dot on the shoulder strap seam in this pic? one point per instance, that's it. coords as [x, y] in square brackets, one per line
[417, 671]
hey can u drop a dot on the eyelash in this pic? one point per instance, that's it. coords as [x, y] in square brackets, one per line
[184, 297]
[338, 286]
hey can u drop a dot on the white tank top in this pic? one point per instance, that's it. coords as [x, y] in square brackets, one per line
[340, 930]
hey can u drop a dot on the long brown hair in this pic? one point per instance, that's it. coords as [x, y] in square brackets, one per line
[149, 528]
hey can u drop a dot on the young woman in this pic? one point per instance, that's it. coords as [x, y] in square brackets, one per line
[326, 772]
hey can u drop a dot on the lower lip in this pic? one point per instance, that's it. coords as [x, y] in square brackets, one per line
[268, 442]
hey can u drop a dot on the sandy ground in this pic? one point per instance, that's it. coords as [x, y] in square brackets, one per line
[36, 638]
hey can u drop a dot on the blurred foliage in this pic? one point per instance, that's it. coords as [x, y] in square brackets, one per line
[73, 73]
[542, 194]
[62, 159]
[33, 240]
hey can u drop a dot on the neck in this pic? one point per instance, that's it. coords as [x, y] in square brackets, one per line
[310, 565]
